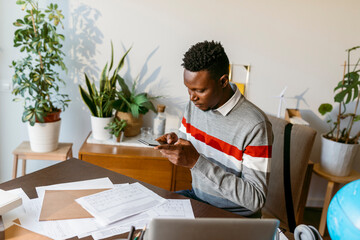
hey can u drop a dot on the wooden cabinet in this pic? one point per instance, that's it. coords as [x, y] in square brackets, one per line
[142, 163]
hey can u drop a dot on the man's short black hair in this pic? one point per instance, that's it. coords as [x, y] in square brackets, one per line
[208, 56]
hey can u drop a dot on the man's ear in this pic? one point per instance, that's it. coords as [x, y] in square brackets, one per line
[224, 80]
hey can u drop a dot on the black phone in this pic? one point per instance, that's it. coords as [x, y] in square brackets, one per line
[149, 142]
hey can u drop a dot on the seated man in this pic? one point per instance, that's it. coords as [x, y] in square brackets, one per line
[224, 139]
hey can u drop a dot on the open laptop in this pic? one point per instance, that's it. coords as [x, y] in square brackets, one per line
[211, 229]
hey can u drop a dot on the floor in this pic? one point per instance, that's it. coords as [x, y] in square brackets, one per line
[312, 217]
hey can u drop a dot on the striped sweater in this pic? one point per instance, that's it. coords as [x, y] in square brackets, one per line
[233, 169]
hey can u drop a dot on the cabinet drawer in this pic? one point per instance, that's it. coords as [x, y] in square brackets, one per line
[182, 178]
[155, 171]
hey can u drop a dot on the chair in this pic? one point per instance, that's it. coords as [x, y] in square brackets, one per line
[301, 142]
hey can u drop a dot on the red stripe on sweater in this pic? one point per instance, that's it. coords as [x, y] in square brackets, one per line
[212, 141]
[254, 151]
[259, 151]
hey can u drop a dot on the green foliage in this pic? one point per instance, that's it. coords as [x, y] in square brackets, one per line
[35, 79]
[116, 126]
[99, 101]
[130, 101]
[346, 91]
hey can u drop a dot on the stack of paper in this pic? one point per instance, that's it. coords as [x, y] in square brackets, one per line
[105, 210]
[8, 201]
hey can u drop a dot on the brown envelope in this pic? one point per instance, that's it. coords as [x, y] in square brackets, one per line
[16, 232]
[61, 204]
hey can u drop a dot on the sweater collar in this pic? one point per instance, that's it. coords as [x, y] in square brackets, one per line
[230, 104]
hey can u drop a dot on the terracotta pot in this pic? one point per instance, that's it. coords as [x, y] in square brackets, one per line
[133, 124]
[51, 117]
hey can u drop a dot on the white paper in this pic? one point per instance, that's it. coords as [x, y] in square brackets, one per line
[173, 208]
[98, 183]
[10, 216]
[60, 229]
[118, 203]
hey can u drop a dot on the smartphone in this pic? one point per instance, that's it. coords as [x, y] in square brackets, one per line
[149, 142]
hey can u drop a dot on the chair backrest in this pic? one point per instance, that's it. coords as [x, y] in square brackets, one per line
[302, 139]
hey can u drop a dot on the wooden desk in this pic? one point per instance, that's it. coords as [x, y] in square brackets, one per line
[77, 170]
[142, 163]
[332, 188]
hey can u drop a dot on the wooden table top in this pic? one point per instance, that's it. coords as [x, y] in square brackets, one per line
[354, 175]
[77, 170]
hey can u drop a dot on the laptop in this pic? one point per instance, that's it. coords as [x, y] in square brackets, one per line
[211, 229]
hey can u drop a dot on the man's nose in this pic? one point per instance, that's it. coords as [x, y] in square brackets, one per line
[193, 96]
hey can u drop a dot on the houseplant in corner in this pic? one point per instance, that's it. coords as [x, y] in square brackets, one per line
[340, 145]
[36, 79]
[131, 106]
[99, 101]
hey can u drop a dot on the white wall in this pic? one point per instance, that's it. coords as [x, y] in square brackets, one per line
[298, 44]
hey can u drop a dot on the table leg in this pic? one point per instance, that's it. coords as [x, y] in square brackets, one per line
[70, 153]
[15, 165]
[329, 193]
[23, 167]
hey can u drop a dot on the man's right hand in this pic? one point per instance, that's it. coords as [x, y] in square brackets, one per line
[168, 138]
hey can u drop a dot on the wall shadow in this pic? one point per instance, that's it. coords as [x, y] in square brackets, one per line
[156, 87]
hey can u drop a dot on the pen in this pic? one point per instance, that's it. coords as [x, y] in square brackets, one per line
[137, 236]
[142, 233]
[131, 233]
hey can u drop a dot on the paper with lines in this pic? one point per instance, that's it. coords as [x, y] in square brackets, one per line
[121, 202]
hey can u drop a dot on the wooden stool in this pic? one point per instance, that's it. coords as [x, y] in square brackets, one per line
[332, 188]
[23, 151]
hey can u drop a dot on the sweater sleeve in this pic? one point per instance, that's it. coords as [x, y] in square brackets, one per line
[249, 189]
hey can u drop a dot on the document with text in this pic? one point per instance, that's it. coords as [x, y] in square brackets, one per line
[120, 202]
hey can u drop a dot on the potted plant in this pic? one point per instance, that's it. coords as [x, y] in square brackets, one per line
[131, 106]
[116, 128]
[99, 101]
[340, 144]
[36, 80]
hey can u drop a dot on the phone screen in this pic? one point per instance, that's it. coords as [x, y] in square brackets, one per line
[149, 142]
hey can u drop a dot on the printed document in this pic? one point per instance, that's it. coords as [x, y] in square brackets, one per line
[121, 202]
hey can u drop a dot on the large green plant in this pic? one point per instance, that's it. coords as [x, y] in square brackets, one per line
[130, 101]
[346, 91]
[99, 101]
[36, 78]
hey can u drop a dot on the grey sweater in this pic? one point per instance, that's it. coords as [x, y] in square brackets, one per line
[233, 169]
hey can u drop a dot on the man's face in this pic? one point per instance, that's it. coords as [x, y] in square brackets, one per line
[206, 93]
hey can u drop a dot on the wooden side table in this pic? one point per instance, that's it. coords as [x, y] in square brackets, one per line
[332, 188]
[142, 163]
[23, 151]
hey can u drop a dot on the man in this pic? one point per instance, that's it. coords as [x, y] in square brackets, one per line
[224, 139]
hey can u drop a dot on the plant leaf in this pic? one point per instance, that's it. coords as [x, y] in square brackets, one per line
[89, 101]
[325, 108]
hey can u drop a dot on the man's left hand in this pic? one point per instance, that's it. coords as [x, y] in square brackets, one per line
[182, 153]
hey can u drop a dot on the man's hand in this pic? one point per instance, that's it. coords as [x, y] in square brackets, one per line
[181, 153]
[169, 138]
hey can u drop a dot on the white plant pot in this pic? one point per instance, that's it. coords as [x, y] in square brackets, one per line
[337, 158]
[44, 137]
[98, 125]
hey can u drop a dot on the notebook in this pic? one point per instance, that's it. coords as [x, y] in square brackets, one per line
[211, 229]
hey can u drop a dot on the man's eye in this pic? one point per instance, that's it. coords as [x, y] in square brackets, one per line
[200, 90]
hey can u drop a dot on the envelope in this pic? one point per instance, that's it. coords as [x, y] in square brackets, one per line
[16, 232]
[61, 204]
